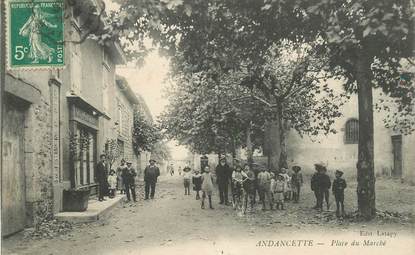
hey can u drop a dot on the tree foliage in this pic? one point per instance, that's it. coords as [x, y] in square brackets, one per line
[160, 151]
[145, 134]
[209, 116]
[112, 151]
[363, 44]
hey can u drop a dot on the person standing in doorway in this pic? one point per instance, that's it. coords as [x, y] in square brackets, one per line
[151, 173]
[129, 175]
[101, 173]
[223, 175]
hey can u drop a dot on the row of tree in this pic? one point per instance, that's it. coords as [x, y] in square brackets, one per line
[247, 70]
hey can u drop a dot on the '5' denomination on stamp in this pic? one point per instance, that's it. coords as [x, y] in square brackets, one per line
[35, 33]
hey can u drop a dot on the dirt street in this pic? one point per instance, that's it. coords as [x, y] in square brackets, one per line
[174, 223]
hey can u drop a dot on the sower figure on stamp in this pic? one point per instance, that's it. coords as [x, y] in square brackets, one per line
[339, 184]
[101, 174]
[129, 175]
[151, 173]
[223, 175]
[32, 29]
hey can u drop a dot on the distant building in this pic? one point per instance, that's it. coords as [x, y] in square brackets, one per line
[126, 103]
[394, 153]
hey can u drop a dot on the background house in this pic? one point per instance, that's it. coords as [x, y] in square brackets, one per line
[393, 151]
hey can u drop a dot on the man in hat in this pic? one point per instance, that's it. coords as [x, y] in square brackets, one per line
[170, 169]
[320, 184]
[297, 182]
[128, 176]
[151, 173]
[339, 184]
[223, 177]
[102, 176]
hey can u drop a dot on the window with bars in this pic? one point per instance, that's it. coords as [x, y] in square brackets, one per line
[352, 132]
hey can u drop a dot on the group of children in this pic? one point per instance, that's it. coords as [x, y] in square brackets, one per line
[273, 188]
[122, 180]
[276, 188]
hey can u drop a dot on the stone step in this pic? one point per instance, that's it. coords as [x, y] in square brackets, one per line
[96, 210]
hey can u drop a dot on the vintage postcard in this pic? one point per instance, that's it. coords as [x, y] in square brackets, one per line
[207, 127]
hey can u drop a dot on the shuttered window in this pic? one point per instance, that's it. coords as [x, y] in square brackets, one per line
[352, 131]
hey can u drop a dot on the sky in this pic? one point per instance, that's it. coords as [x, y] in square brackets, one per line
[148, 81]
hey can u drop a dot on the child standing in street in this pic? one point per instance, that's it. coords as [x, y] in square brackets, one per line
[287, 180]
[197, 183]
[326, 185]
[187, 175]
[207, 187]
[249, 188]
[238, 177]
[296, 183]
[264, 185]
[278, 190]
[112, 182]
[339, 184]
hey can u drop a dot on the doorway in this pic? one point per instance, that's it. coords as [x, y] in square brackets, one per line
[13, 176]
[397, 155]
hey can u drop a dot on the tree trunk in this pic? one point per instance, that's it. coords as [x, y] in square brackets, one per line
[233, 147]
[249, 147]
[273, 144]
[282, 162]
[365, 164]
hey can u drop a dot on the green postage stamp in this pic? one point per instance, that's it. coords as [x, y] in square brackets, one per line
[35, 33]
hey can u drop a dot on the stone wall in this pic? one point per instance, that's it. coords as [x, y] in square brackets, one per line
[37, 143]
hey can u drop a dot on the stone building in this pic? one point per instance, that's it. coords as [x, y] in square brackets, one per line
[394, 153]
[48, 111]
[126, 102]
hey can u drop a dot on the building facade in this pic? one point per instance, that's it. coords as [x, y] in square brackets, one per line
[56, 123]
[394, 153]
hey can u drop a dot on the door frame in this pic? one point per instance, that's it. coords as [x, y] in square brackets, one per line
[397, 139]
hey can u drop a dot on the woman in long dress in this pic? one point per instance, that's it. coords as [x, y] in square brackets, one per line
[32, 29]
